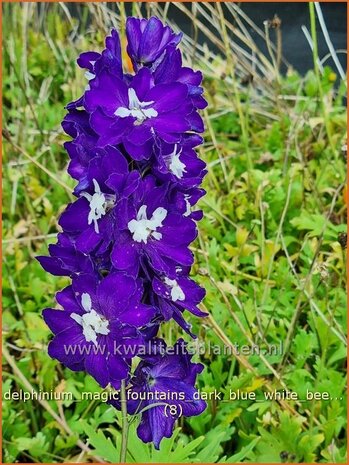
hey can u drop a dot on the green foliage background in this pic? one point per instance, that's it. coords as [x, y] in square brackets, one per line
[270, 252]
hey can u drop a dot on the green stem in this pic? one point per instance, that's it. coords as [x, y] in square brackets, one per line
[318, 77]
[124, 423]
[238, 104]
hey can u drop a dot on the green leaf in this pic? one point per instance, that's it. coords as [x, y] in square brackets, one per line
[36, 446]
[242, 454]
[102, 445]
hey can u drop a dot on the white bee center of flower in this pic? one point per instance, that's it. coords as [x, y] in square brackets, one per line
[92, 323]
[136, 108]
[99, 203]
[187, 204]
[89, 76]
[176, 291]
[176, 166]
[141, 228]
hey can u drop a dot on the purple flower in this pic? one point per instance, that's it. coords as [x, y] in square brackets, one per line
[97, 329]
[179, 163]
[95, 62]
[148, 40]
[91, 218]
[186, 200]
[173, 296]
[150, 231]
[171, 70]
[83, 146]
[138, 113]
[65, 260]
[167, 378]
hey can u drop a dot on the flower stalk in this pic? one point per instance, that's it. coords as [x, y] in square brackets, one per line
[124, 423]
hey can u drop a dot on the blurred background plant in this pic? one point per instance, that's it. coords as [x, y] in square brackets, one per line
[270, 252]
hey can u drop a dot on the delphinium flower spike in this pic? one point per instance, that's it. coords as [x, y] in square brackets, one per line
[125, 239]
